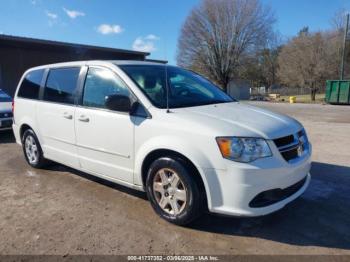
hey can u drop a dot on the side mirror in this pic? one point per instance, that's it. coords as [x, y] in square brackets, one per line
[137, 109]
[118, 103]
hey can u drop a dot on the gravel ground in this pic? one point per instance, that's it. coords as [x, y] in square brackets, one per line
[65, 212]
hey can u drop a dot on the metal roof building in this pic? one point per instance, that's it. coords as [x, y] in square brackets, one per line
[17, 54]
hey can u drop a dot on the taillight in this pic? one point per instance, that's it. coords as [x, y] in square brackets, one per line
[13, 107]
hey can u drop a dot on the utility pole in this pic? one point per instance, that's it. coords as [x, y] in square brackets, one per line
[344, 44]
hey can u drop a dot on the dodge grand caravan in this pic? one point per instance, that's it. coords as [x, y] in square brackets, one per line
[163, 130]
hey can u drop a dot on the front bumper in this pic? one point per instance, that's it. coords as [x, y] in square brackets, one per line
[234, 191]
[6, 123]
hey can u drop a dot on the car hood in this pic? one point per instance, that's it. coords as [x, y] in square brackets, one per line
[5, 106]
[237, 119]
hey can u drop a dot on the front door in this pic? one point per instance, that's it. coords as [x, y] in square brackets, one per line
[105, 138]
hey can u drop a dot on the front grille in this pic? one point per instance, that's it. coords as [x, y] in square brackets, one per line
[292, 146]
[6, 123]
[273, 196]
[5, 114]
[283, 141]
[290, 154]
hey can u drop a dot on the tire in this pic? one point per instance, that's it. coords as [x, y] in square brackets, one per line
[35, 158]
[168, 202]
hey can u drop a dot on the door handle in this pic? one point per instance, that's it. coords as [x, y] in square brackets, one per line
[67, 115]
[84, 119]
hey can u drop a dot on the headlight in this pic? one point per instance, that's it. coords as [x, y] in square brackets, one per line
[243, 149]
[303, 140]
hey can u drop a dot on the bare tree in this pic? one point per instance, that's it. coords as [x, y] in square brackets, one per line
[218, 36]
[309, 59]
[261, 69]
[269, 60]
[339, 23]
[338, 19]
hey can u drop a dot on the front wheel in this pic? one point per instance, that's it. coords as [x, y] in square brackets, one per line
[173, 191]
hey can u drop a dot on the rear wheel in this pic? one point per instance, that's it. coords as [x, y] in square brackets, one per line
[32, 150]
[173, 191]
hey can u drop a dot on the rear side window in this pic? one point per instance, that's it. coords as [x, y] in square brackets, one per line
[61, 85]
[31, 85]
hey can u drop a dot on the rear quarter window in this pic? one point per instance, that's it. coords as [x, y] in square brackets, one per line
[30, 85]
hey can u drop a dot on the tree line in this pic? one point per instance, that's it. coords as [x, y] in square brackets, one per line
[235, 39]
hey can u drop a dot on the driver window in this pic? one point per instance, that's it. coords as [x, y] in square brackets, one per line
[101, 83]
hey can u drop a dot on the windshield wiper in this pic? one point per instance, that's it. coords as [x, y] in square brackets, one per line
[200, 104]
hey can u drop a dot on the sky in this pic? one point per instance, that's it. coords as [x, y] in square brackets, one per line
[143, 25]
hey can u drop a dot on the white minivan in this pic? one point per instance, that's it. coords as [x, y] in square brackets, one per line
[164, 130]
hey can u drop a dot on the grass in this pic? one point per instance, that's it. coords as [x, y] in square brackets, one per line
[304, 98]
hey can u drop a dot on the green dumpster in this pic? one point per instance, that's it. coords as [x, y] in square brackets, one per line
[338, 92]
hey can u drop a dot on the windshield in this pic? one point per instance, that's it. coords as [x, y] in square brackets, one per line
[4, 97]
[186, 88]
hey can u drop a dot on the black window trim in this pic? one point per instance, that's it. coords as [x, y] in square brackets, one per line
[81, 87]
[43, 83]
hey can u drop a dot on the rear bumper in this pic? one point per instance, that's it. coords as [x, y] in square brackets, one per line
[15, 129]
[259, 189]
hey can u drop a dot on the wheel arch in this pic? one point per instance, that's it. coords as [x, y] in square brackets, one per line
[26, 122]
[163, 152]
[25, 125]
[23, 128]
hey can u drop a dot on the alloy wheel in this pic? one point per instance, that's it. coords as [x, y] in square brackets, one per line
[169, 191]
[31, 149]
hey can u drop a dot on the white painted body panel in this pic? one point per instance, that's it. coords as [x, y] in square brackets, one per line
[57, 132]
[105, 144]
[114, 145]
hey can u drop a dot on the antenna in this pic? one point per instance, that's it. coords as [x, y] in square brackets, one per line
[167, 89]
[165, 50]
